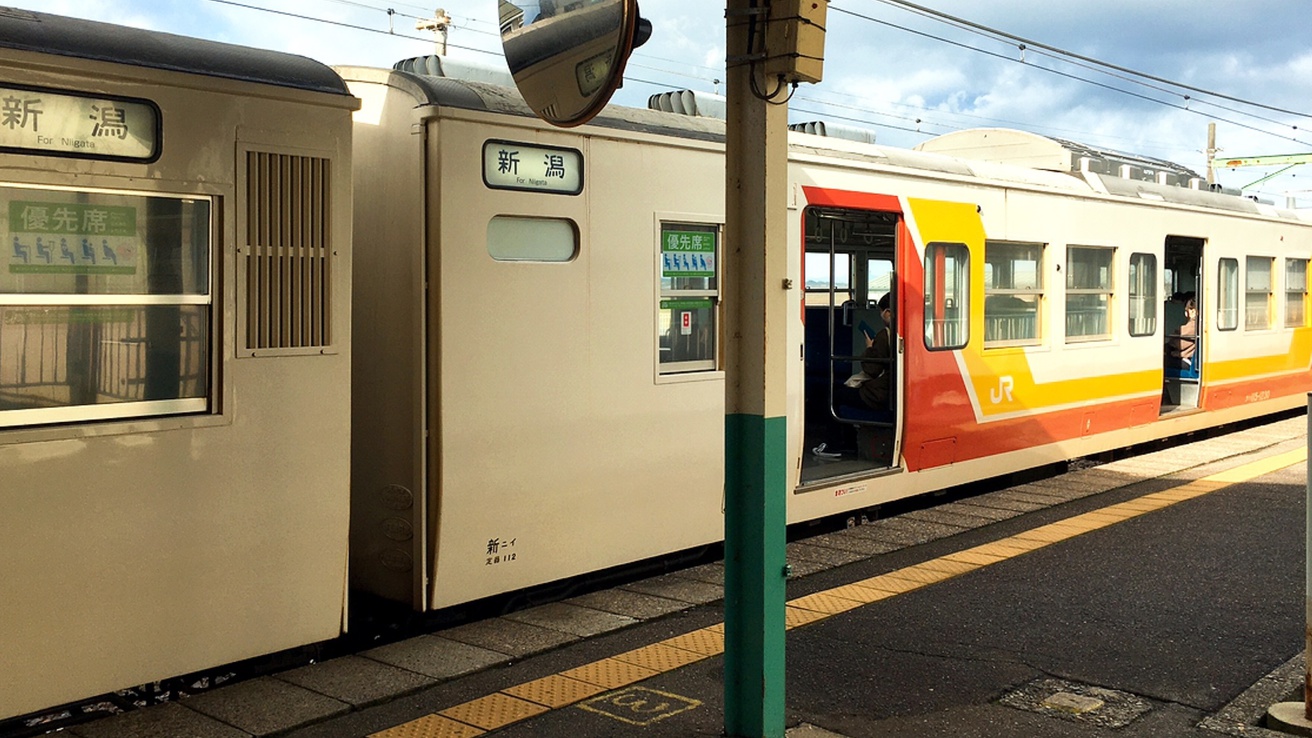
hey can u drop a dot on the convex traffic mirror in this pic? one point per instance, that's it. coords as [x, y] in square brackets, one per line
[567, 56]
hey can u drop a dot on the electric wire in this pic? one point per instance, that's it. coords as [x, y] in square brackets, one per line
[911, 7]
[351, 26]
[954, 20]
[1076, 60]
[1067, 75]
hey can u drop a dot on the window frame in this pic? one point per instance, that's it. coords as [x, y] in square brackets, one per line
[1267, 294]
[1037, 293]
[1227, 294]
[199, 349]
[1141, 288]
[1106, 289]
[960, 294]
[1295, 296]
[666, 297]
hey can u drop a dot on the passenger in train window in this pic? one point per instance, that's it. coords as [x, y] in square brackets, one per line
[1182, 345]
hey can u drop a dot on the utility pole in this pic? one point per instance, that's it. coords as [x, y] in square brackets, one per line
[772, 45]
[439, 24]
[1211, 153]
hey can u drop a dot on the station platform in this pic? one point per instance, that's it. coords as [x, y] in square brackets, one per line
[1156, 595]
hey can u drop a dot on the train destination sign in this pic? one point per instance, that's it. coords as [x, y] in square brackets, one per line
[46, 121]
[514, 166]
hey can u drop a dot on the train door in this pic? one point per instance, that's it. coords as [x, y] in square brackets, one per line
[850, 394]
[1182, 355]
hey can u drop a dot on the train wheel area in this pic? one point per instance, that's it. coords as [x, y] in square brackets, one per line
[604, 661]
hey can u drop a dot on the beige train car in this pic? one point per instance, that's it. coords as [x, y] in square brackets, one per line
[524, 408]
[174, 356]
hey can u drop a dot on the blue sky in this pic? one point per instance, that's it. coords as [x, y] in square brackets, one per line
[905, 75]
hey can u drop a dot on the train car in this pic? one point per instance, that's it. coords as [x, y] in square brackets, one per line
[174, 356]
[538, 385]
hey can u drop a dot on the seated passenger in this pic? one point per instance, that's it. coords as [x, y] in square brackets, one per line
[871, 384]
[1181, 346]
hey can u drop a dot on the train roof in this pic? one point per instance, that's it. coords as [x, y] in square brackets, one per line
[44, 33]
[427, 89]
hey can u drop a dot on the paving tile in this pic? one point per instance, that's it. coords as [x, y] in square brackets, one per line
[494, 711]
[437, 657]
[1107, 477]
[829, 557]
[946, 515]
[266, 706]
[161, 721]
[712, 573]
[554, 691]
[998, 501]
[630, 604]
[430, 726]
[508, 636]
[1059, 489]
[584, 622]
[1026, 493]
[849, 540]
[799, 568]
[674, 587]
[991, 514]
[357, 681]
[908, 532]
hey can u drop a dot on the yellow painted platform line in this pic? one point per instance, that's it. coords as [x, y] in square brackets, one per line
[523, 701]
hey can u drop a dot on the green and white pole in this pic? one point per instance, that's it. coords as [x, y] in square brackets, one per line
[755, 397]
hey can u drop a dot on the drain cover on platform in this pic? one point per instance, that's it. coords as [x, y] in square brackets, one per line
[1081, 703]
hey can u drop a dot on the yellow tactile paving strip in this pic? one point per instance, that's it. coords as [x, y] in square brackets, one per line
[523, 701]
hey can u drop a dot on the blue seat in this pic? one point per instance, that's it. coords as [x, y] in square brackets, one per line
[1189, 372]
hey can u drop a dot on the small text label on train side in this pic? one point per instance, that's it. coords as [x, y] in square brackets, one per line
[501, 551]
[850, 490]
[1261, 396]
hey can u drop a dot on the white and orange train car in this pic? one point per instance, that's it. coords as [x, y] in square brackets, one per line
[538, 383]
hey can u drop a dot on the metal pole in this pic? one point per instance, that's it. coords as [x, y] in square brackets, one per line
[1211, 152]
[756, 314]
[1307, 582]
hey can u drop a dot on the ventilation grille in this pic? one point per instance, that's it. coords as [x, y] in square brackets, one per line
[287, 252]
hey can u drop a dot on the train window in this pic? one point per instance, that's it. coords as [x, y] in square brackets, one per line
[822, 280]
[1257, 293]
[516, 238]
[105, 306]
[1227, 313]
[1143, 294]
[689, 296]
[1295, 293]
[947, 296]
[1088, 292]
[1013, 292]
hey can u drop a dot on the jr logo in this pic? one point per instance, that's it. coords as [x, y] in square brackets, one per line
[1003, 390]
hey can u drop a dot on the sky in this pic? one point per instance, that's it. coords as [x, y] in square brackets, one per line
[906, 75]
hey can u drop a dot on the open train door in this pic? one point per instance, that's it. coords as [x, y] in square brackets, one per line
[1183, 325]
[850, 395]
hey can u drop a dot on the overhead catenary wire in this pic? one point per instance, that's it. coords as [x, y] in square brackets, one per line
[910, 6]
[1029, 43]
[1067, 75]
[350, 26]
